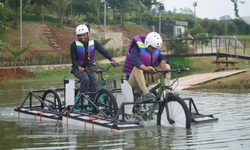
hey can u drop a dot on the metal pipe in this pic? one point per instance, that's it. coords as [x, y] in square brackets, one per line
[194, 4]
[160, 22]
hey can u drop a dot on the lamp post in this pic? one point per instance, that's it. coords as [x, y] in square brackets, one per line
[161, 7]
[104, 1]
[21, 38]
[194, 4]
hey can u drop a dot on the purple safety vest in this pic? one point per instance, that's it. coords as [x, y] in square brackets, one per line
[144, 55]
[81, 51]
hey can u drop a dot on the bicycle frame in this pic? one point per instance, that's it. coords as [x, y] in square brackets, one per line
[102, 86]
[161, 87]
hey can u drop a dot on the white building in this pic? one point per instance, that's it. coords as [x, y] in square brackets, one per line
[246, 19]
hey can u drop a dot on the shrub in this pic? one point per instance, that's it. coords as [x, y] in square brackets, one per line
[181, 62]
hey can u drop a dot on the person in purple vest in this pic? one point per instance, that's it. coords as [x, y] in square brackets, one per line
[142, 57]
[82, 52]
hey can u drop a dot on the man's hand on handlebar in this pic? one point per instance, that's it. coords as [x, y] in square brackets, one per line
[150, 69]
[115, 61]
[114, 64]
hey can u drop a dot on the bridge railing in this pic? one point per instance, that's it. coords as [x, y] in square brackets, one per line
[206, 45]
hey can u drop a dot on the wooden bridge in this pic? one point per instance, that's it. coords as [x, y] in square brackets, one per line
[193, 81]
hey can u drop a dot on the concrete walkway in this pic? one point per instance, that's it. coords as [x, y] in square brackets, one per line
[194, 80]
[106, 61]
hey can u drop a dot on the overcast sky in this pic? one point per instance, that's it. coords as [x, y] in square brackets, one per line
[211, 9]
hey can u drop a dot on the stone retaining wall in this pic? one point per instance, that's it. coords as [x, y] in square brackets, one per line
[60, 66]
[44, 67]
[115, 42]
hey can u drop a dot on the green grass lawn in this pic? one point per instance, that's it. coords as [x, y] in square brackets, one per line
[247, 37]
[58, 75]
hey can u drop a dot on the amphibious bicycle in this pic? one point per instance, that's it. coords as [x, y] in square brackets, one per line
[111, 108]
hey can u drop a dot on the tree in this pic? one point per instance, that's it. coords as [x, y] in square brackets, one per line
[187, 11]
[42, 7]
[114, 4]
[205, 23]
[226, 17]
[143, 7]
[81, 7]
[60, 7]
[221, 30]
[231, 28]
[96, 8]
[38, 7]
[139, 8]
[15, 4]
[84, 10]
[149, 3]
[214, 27]
[179, 17]
[125, 6]
[240, 24]
[16, 52]
[190, 22]
[247, 29]
[198, 33]
[4, 14]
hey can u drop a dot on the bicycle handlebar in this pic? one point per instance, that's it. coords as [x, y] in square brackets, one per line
[171, 70]
[111, 65]
[100, 70]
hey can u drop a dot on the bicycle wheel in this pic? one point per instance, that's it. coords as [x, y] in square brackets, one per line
[177, 110]
[106, 101]
[52, 99]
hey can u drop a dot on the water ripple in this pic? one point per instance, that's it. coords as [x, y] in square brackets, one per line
[230, 132]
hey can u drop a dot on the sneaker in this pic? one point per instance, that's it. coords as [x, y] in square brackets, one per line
[148, 97]
[90, 108]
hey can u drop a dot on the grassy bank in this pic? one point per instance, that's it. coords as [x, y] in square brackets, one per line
[235, 83]
[58, 75]
[198, 65]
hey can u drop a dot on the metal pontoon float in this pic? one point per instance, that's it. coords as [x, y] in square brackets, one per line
[61, 105]
[33, 106]
[196, 117]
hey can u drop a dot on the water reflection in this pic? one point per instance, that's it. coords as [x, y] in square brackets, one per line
[230, 132]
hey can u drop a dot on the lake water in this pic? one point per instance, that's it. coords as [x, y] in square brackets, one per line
[230, 132]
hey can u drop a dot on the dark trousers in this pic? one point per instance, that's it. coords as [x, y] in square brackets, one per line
[87, 79]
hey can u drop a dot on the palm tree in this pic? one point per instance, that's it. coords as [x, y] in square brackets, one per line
[96, 7]
[60, 7]
[4, 15]
[139, 8]
[114, 4]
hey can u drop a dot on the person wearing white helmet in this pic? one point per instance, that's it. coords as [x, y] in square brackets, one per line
[142, 57]
[82, 52]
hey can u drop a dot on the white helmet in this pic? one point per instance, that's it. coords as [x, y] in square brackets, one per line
[82, 29]
[154, 39]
